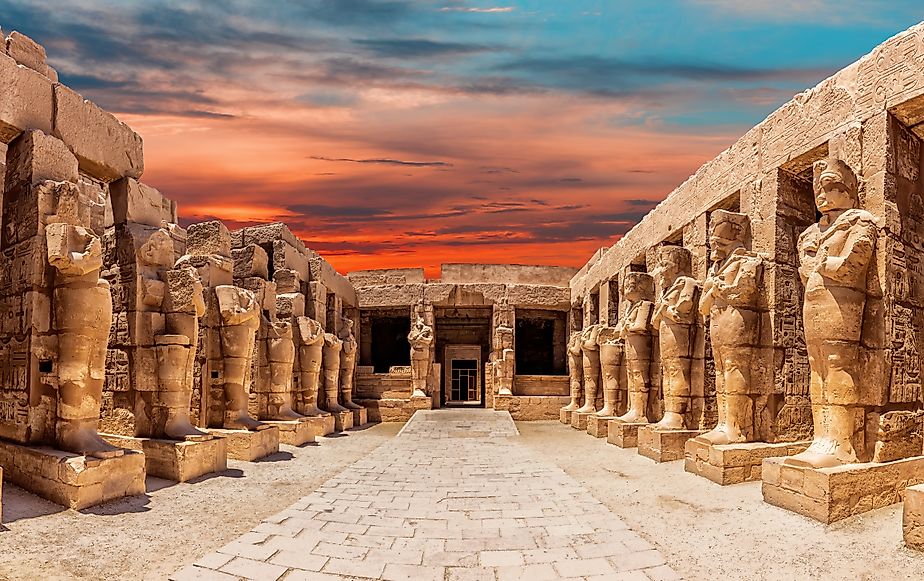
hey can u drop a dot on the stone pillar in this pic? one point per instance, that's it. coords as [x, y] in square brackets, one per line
[503, 356]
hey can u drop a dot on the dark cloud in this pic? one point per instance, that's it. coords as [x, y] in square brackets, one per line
[417, 47]
[386, 161]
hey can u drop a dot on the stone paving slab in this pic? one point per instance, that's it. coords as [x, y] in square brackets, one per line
[454, 496]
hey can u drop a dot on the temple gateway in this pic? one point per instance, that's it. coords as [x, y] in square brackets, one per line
[765, 322]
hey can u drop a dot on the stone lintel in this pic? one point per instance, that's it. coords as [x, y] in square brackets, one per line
[70, 480]
[734, 463]
[179, 461]
[249, 446]
[831, 494]
[623, 434]
[597, 425]
[294, 433]
[663, 445]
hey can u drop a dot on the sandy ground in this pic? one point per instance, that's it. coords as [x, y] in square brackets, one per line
[151, 536]
[706, 531]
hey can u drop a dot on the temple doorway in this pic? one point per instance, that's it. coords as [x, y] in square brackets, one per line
[462, 384]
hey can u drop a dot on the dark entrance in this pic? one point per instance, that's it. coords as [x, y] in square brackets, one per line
[464, 380]
[463, 339]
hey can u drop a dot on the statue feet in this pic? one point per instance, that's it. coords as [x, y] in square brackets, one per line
[571, 407]
[633, 417]
[721, 434]
[586, 409]
[235, 421]
[606, 411]
[182, 429]
[671, 421]
[824, 453]
[287, 414]
[80, 437]
[336, 408]
[314, 412]
[352, 406]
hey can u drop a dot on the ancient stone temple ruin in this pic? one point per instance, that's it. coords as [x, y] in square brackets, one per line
[764, 322]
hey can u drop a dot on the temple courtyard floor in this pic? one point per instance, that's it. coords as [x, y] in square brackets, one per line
[454, 495]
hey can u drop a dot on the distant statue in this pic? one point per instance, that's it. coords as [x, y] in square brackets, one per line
[333, 348]
[347, 364]
[421, 339]
[240, 319]
[611, 360]
[590, 352]
[635, 330]
[674, 318]
[575, 371]
[310, 354]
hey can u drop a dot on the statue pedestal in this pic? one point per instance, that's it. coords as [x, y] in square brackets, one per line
[734, 463]
[343, 421]
[249, 446]
[663, 445]
[564, 417]
[623, 434]
[360, 417]
[832, 494]
[70, 480]
[913, 517]
[293, 433]
[597, 425]
[320, 425]
[579, 420]
[178, 461]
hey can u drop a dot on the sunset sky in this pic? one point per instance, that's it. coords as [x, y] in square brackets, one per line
[393, 133]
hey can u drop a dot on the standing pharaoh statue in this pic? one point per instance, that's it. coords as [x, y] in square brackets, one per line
[82, 316]
[575, 372]
[310, 354]
[611, 355]
[277, 405]
[347, 363]
[421, 339]
[333, 348]
[240, 319]
[591, 363]
[729, 299]
[834, 260]
[635, 330]
[674, 318]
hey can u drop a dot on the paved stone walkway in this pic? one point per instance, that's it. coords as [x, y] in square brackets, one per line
[454, 497]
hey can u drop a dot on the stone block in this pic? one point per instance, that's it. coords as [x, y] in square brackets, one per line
[529, 408]
[289, 305]
[106, 148]
[564, 416]
[251, 260]
[26, 102]
[623, 434]
[27, 52]
[177, 461]
[663, 445]
[208, 238]
[597, 425]
[70, 480]
[734, 463]
[320, 425]
[343, 421]
[249, 446]
[832, 494]
[394, 409]
[133, 201]
[913, 517]
[360, 417]
[294, 433]
[579, 420]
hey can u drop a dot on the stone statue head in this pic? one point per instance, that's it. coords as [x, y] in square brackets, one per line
[835, 185]
[346, 328]
[638, 286]
[673, 262]
[157, 250]
[728, 231]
